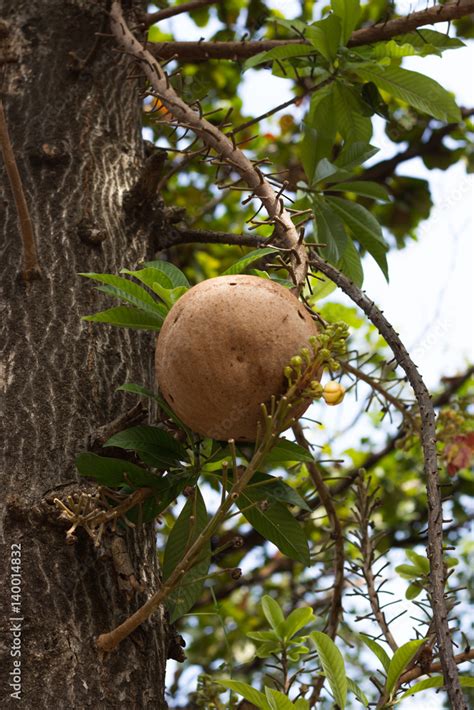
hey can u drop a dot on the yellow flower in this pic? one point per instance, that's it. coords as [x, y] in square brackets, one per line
[333, 393]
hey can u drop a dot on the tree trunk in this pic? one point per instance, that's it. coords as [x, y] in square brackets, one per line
[75, 132]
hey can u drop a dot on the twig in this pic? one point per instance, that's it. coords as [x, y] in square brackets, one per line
[203, 236]
[428, 441]
[211, 136]
[337, 536]
[365, 507]
[154, 17]
[195, 51]
[435, 667]
[361, 375]
[31, 269]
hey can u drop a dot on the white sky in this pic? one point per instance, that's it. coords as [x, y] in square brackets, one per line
[430, 296]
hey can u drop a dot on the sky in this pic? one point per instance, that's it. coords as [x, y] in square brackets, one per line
[430, 296]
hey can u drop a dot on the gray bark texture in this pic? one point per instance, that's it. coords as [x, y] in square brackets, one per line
[76, 137]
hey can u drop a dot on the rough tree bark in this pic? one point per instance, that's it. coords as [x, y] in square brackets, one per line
[75, 131]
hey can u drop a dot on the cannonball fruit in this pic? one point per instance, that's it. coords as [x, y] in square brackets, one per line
[222, 350]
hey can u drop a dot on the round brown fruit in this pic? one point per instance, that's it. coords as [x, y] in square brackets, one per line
[222, 350]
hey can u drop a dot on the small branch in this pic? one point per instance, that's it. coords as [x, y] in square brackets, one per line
[375, 385]
[286, 232]
[435, 667]
[204, 236]
[365, 507]
[284, 105]
[154, 17]
[133, 416]
[31, 269]
[198, 51]
[337, 536]
[428, 441]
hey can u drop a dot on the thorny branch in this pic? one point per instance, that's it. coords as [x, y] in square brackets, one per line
[237, 50]
[428, 441]
[286, 233]
[335, 609]
[31, 269]
[366, 503]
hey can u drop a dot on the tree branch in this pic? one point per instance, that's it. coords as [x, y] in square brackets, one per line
[286, 233]
[198, 51]
[428, 442]
[335, 609]
[154, 17]
[183, 235]
[31, 269]
[435, 667]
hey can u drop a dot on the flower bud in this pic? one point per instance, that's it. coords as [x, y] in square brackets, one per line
[333, 393]
[296, 361]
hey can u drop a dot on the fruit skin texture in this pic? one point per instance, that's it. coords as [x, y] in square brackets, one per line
[222, 350]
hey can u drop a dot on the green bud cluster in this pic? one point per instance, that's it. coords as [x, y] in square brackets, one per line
[324, 352]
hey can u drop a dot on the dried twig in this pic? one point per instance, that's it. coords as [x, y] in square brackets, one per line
[31, 269]
[428, 441]
[286, 233]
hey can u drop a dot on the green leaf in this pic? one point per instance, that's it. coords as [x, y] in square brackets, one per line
[436, 681]
[413, 591]
[420, 562]
[319, 131]
[241, 265]
[127, 318]
[364, 227]
[298, 619]
[358, 692]
[424, 37]
[277, 700]
[355, 154]
[353, 126]
[168, 295]
[148, 276]
[246, 691]
[190, 523]
[417, 90]
[175, 276]
[378, 650]
[163, 448]
[408, 571]
[330, 230]
[329, 172]
[366, 188]
[276, 489]
[301, 704]
[267, 649]
[262, 636]
[351, 265]
[325, 36]
[321, 287]
[277, 525]
[333, 666]
[286, 451]
[126, 290]
[401, 659]
[349, 12]
[114, 473]
[273, 614]
[286, 52]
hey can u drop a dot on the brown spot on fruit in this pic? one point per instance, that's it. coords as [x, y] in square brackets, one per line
[215, 392]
